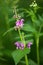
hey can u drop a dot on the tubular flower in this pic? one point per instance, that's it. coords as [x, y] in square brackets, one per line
[19, 45]
[19, 23]
[29, 44]
[22, 46]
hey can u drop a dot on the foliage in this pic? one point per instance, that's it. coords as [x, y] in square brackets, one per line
[33, 30]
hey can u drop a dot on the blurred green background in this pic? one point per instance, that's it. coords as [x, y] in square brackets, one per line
[7, 41]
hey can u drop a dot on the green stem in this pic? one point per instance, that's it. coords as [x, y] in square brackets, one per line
[20, 34]
[37, 46]
[26, 59]
[38, 55]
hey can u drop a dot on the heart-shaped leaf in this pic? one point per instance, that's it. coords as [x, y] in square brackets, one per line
[29, 28]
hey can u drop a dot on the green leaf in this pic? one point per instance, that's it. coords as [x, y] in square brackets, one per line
[31, 14]
[31, 62]
[22, 62]
[3, 59]
[41, 34]
[19, 54]
[31, 40]
[29, 28]
[12, 19]
[41, 19]
[37, 23]
[26, 36]
[11, 29]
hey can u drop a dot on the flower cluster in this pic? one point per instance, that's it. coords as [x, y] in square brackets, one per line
[19, 23]
[19, 45]
[34, 4]
[22, 46]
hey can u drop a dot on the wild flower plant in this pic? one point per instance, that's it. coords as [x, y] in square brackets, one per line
[22, 45]
[33, 29]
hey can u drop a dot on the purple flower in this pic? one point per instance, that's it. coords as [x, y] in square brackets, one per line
[22, 46]
[29, 44]
[19, 23]
[17, 45]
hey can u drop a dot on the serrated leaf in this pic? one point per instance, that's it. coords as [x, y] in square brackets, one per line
[29, 28]
[19, 54]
